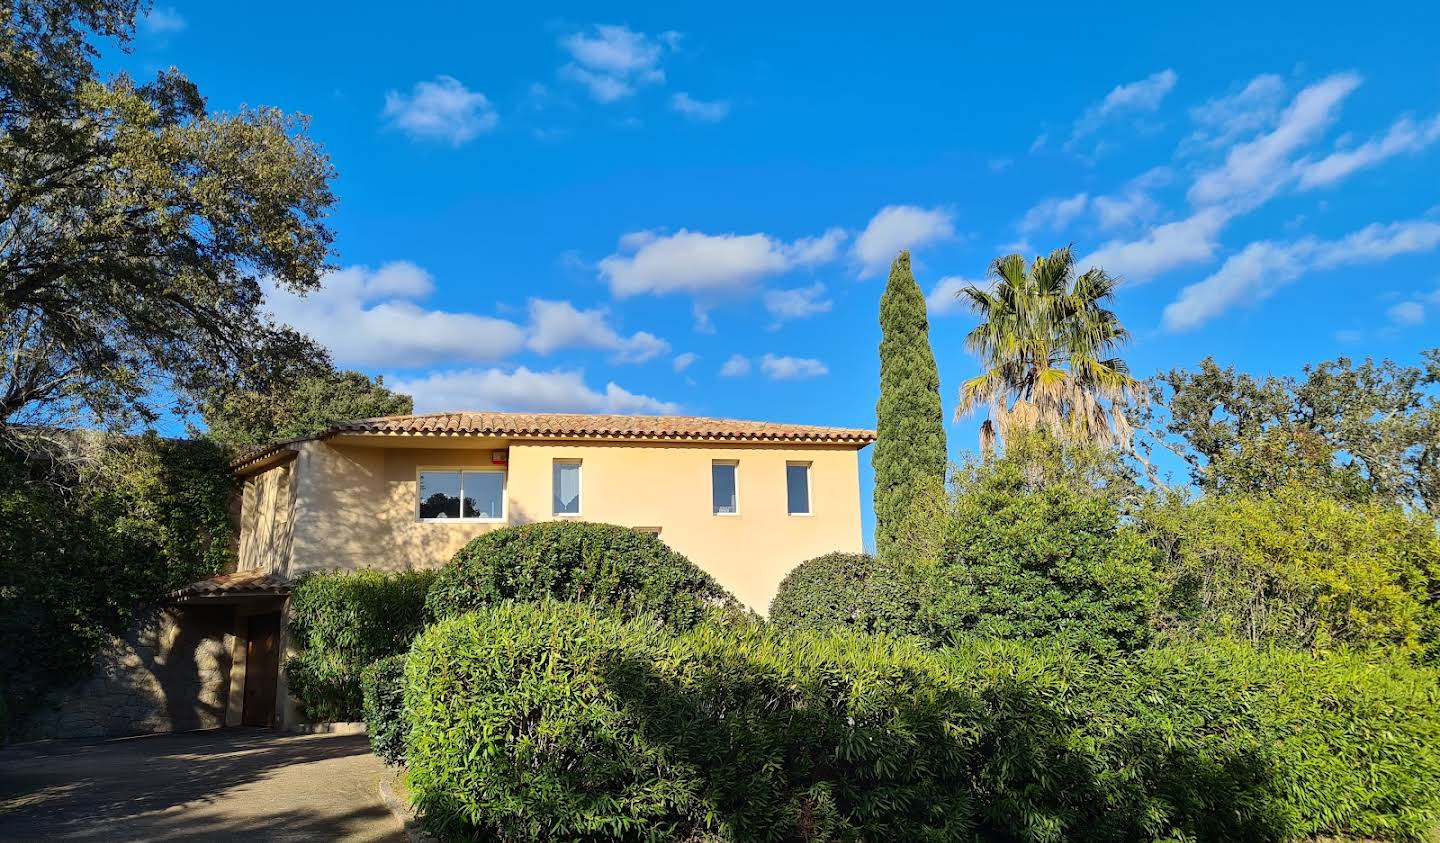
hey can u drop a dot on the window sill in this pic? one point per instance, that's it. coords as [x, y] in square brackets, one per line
[800, 514]
[462, 520]
[726, 514]
[566, 514]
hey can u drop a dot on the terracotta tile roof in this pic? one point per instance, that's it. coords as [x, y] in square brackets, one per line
[584, 426]
[239, 583]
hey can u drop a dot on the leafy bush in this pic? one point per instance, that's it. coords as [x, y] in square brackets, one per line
[608, 567]
[343, 621]
[546, 721]
[93, 530]
[1301, 569]
[1037, 550]
[855, 590]
[382, 685]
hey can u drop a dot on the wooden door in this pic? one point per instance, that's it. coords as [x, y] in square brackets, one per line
[262, 670]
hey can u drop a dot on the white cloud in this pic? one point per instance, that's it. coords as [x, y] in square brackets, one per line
[371, 318]
[1138, 97]
[697, 263]
[685, 360]
[559, 324]
[944, 298]
[1262, 268]
[791, 368]
[1132, 205]
[799, 303]
[1379, 241]
[1165, 247]
[897, 227]
[1407, 313]
[1220, 121]
[705, 111]
[441, 109]
[162, 20]
[809, 251]
[1053, 214]
[611, 61]
[1404, 136]
[523, 390]
[738, 365]
[1256, 169]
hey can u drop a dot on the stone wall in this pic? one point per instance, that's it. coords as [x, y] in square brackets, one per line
[171, 673]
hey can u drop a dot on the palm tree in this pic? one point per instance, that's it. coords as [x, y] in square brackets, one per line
[1045, 338]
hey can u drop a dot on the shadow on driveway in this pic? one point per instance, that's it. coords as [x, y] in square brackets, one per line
[252, 785]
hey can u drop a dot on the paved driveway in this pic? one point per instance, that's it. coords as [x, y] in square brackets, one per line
[251, 785]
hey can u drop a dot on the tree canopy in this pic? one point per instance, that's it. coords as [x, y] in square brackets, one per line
[1045, 339]
[1352, 429]
[138, 230]
[308, 404]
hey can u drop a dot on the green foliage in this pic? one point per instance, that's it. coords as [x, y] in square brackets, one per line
[1300, 568]
[382, 684]
[910, 429]
[139, 227]
[1045, 339]
[1351, 430]
[92, 535]
[1037, 548]
[614, 569]
[306, 404]
[342, 622]
[853, 590]
[546, 721]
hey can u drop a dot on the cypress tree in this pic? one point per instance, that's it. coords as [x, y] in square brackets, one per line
[909, 453]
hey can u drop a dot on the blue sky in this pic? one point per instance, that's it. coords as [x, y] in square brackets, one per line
[691, 208]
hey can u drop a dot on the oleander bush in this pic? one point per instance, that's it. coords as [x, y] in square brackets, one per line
[548, 721]
[382, 686]
[853, 590]
[610, 568]
[340, 623]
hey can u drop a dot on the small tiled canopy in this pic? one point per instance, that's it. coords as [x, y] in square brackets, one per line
[252, 583]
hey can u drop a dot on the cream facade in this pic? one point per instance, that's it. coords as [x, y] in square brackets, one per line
[746, 501]
[353, 501]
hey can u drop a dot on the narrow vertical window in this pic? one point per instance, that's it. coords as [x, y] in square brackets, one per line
[797, 488]
[724, 488]
[566, 485]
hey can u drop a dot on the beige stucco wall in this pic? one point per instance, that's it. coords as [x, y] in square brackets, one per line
[266, 515]
[355, 505]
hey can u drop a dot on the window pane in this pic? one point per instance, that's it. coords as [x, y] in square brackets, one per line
[797, 489]
[722, 485]
[567, 488]
[484, 494]
[439, 494]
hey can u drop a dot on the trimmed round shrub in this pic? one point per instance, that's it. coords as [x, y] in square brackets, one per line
[341, 622]
[851, 589]
[383, 686]
[613, 569]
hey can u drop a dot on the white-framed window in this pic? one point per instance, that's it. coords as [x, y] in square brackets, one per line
[461, 494]
[725, 487]
[797, 488]
[565, 487]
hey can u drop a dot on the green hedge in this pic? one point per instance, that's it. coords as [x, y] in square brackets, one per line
[611, 568]
[382, 685]
[343, 621]
[546, 721]
[851, 589]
